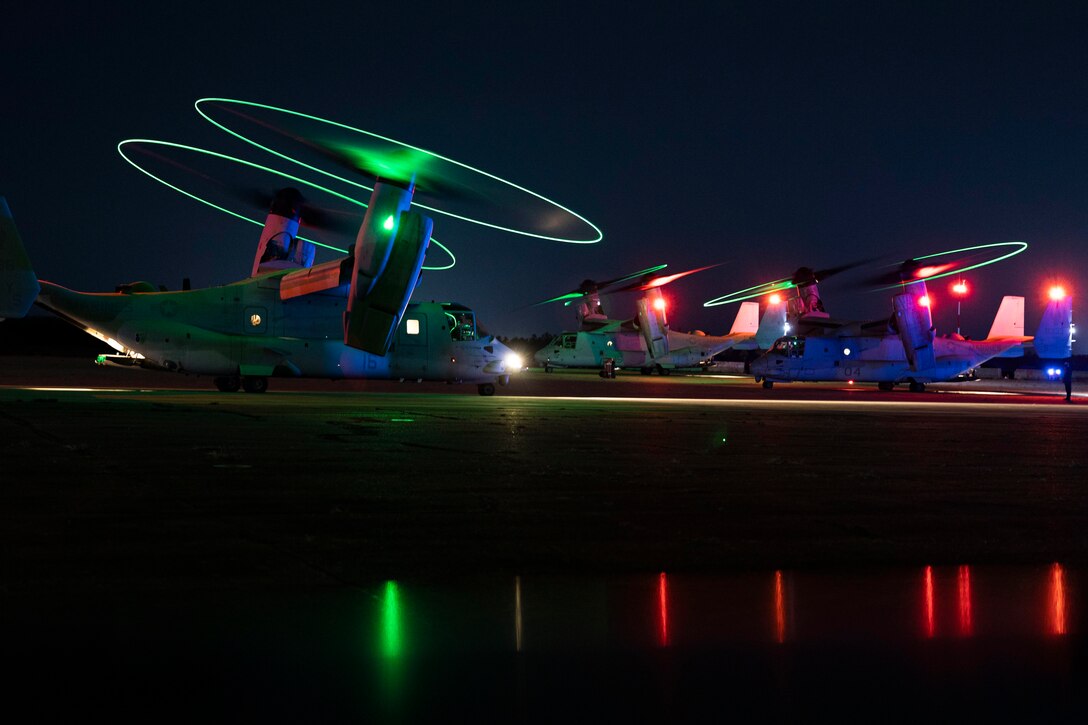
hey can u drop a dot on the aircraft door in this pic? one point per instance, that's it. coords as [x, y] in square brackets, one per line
[412, 335]
[410, 353]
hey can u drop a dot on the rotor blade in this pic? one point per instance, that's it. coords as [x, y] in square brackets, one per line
[589, 286]
[652, 282]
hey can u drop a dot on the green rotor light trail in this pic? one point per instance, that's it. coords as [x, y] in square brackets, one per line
[748, 293]
[955, 267]
[957, 270]
[578, 294]
[265, 169]
[396, 169]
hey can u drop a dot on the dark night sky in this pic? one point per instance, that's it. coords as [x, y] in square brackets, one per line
[762, 135]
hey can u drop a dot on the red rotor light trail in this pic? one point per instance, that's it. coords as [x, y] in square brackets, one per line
[924, 272]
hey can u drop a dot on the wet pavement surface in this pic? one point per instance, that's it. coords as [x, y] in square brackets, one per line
[575, 548]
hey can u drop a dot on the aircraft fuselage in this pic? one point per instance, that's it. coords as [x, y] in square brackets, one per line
[246, 329]
[869, 359]
[589, 349]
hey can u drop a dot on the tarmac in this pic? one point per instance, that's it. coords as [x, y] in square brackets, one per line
[682, 548]
[115, 480]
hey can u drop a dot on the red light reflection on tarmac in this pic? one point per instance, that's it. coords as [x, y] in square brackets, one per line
[663, 608]
[927, 603]
[779, 609]
[1057, 600]
[517, 612]
[966, 625]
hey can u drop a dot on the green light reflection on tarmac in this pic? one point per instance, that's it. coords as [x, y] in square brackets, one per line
[392, 634]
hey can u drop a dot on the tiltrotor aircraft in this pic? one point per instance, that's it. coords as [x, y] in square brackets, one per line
[346, 318]
[903, 348]
[647, 342]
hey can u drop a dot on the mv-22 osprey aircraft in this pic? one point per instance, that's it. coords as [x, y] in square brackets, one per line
[904, 347]
[347, 318]
[647, 342]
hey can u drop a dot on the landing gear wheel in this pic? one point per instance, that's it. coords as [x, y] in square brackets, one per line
[663, 371]
[767, 384]
[917, 387]
[547, 368]
[884, 385]
[485, 389]
[228, 384]
[254, 384]
[645, 371]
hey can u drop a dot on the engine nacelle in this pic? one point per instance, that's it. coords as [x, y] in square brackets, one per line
[914, 322]
[279, 246]
[652, 324]
[373, 317]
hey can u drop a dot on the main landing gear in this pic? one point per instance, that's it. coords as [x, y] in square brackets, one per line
[485, 389]
[232, 383]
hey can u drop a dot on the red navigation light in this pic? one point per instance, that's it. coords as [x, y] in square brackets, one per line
[960, 288]
[1057, 292]
[924, 300]
[775, 299]
[659, 304]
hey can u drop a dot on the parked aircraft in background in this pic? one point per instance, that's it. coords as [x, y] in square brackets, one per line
[903, 348]
[647, 342]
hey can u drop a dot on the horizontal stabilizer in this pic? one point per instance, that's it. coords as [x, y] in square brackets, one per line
[747, 320]
[321, 277]
[18, 284]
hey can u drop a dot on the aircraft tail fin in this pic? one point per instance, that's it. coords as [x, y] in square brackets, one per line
[1054, 338]
[18, 284]
[1009, 322]
[772, 326]
[747, 320]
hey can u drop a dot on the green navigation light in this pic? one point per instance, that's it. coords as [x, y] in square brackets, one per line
[388, 223]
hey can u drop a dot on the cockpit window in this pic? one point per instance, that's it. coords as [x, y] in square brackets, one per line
[462, 325]
[570, 341]
[789, 346]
